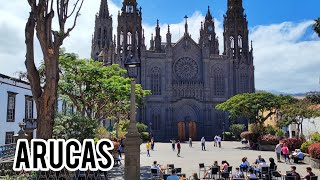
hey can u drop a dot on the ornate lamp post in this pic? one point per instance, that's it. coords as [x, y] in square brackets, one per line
[150, 129]
[132, 141]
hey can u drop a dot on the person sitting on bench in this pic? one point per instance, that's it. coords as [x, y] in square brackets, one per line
[298, 156]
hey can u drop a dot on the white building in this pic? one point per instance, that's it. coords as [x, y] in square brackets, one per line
[17, 106]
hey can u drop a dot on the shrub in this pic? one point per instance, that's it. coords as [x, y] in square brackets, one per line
[268, 139]
[227, 136]
[315, 137]
[102, 133]
[236, 129]
[144, 136]
[280, 133]
[305, 146]
[141, 127]
[314, 150]
[270, 130]
[292, 143]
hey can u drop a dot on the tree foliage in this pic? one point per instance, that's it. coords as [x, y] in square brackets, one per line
[314, 97]
[297, 112]
[316, 26]
[256, 107]
[74, 127]
[97, 91]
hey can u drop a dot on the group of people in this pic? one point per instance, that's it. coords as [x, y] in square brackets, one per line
[254, 170]
[282, 148]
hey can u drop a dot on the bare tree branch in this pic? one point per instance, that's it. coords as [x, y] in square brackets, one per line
[75, 20]
[74, 8]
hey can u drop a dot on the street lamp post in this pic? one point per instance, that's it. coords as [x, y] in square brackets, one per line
[150, 128]
[133, 140]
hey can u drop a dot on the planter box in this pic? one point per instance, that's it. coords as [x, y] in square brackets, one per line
[306, 158]
[266, 147]
[315, 163]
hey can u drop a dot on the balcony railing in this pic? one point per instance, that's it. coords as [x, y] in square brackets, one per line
[7, 151]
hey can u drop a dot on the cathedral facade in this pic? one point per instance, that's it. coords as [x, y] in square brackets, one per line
[187, 78]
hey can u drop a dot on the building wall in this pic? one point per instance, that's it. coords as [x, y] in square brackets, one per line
[21, 89]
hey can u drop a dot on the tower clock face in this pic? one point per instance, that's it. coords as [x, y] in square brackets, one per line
[210, 28]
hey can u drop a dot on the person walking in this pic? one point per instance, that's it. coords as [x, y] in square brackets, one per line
[179, 148]
[190, 142]
[219, 141]
[148, 146]
[173, 144]
[119, 150]
[215, 141]
[285, 152]
[203, 144]
[152, 144]
[278, 151]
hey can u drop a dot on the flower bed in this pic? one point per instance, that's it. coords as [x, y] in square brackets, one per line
[314, 152]
[292, 143]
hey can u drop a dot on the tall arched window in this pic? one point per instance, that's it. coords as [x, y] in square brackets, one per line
[232, 42]
[240, 41]
[129, 38]
[121, 38]
[156, 81]
[219, 84]
[155, 119]
[243, 82]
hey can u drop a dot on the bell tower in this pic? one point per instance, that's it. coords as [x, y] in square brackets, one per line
[235, 33]
[208, 37]
[102, 37]
[129, 38]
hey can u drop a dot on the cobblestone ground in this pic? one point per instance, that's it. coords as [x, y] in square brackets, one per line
[191, 157]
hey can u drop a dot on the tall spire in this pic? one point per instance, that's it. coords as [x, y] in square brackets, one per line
[104, 10]
[186, 26]
[168, 36]
[208, 15]
[102, 38]
[157, 38]
[235, 8]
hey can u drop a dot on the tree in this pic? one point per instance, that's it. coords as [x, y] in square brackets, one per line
[74, 127]
[256, 107]
[314, 97]
[316, 26]
[39, 22]
[99, 92]
[297, 112]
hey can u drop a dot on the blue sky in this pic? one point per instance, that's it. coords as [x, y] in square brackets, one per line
[259, 12]
[286, 50]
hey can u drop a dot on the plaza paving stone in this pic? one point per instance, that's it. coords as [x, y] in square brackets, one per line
[191, 157]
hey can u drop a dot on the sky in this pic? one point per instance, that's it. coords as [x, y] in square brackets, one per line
[286, 50]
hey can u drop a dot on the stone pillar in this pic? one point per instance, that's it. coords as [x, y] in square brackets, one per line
[132, 142]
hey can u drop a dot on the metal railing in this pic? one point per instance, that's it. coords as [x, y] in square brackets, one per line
[7, 151]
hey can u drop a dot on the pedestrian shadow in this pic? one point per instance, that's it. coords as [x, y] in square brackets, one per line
[243, 148]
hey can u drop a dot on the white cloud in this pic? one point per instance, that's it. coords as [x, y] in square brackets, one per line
[282, 61]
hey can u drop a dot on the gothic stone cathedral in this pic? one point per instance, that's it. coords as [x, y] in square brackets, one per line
[187, 78]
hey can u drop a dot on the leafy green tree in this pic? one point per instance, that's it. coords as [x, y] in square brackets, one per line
[314, 97]
[297, 112]
[97, 91]
[256, 107]
[237, 129]
[74, 127]
[316, 26]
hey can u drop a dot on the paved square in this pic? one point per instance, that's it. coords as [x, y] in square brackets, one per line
[191, 157]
